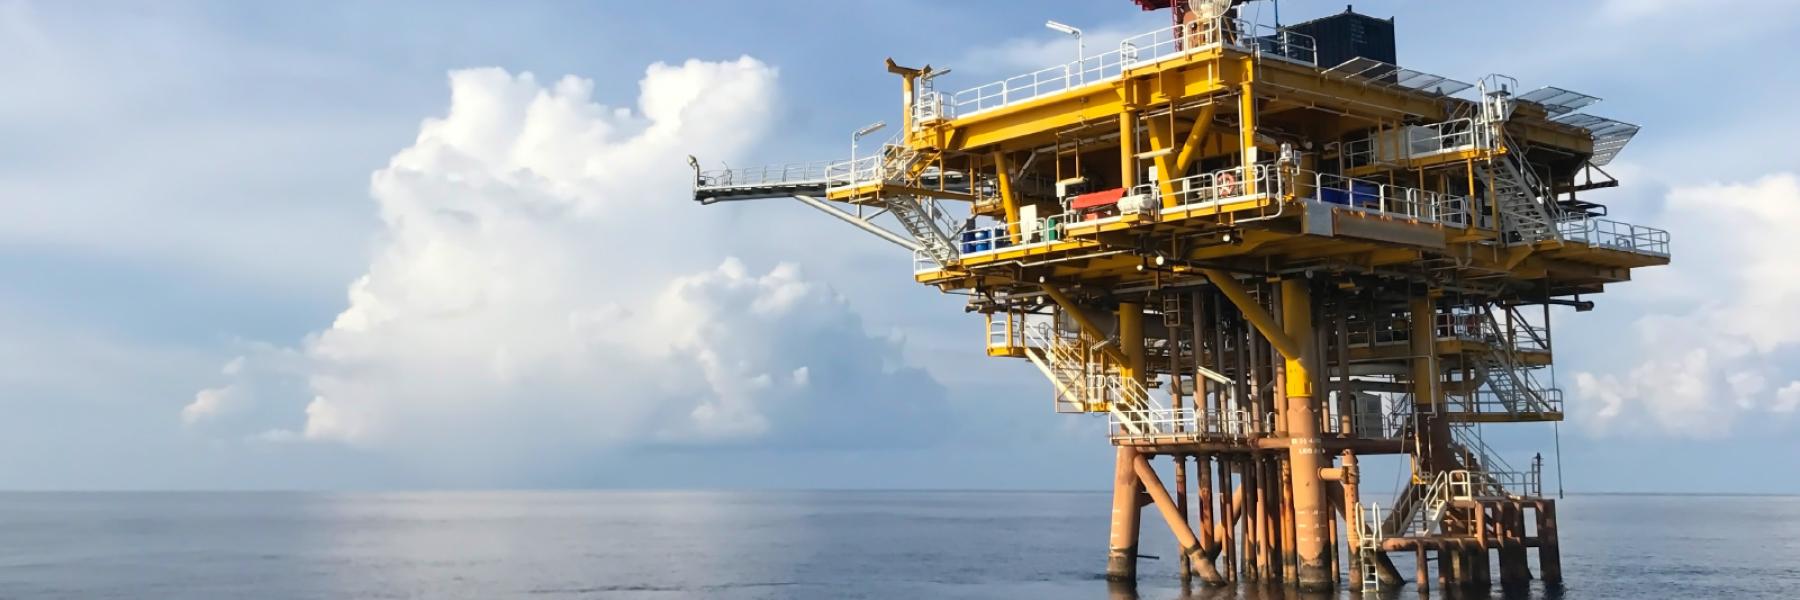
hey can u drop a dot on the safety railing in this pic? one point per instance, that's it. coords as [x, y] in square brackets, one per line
[879, 168]
[1449, 136]
[1415, 203]
[1548, 400]
[1461, 323]
[1006, 330]
[1000, 236]
[1458, 484]
[1380, 330]
[1036, 84]
[1235, 424]
[1615, 235]
[767, 175]
[1471, 441]
[1207, 189]
[1163, 43]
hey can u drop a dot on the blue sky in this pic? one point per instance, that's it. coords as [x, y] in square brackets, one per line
[353, 245]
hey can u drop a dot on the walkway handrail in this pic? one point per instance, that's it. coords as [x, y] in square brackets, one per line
[1264, 41]
[1616, 235]
[776, 174]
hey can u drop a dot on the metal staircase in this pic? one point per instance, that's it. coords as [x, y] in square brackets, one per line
[919, 215]
[1086, 385]
[1524, 216]
[1062, 362]
[1419, 511]
[1527, 215]
[1504, 372]
[926, 222]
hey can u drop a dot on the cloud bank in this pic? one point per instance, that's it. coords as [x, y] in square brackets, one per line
[1723, 355]
[541, 284]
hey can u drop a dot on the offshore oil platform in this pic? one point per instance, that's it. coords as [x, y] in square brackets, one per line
[1265, 253]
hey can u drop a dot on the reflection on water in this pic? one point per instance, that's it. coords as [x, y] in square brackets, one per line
[777, 545]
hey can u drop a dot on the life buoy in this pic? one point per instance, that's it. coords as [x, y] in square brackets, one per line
[1227, 184]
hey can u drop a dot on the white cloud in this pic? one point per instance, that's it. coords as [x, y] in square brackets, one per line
[209, 403]
[1787, 400]
[540, 286]
[1702, 367]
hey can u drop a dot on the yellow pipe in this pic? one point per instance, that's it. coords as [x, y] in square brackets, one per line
[1128, 149]
[1247, 135]
[1258, 317]
[1191, 147]
[1131, 339]
[1008, 201]
[1160, 136]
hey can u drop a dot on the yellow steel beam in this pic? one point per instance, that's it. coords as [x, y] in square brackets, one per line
[1190, 147]
[1128, 148]
[1008, 201]
[1254, 313]
[1131, 339]
[1247, 136]
[1161, 134]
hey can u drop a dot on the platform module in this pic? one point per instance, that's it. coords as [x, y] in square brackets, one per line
[1266, 253]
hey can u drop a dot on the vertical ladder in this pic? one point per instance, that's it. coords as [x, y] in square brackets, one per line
[1368, 549]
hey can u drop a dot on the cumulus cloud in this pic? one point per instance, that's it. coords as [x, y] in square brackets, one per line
[542, 284]
[1722, 355]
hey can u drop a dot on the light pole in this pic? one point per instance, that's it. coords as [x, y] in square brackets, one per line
[1080, 46]
[866, 130]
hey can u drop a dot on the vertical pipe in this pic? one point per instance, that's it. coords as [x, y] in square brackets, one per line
[1231, 502]
[1181, 499]
[1008, 201]
[1128, 127]
[1252, 520]
[1208, 528]
[1426, 398]
[1423, 572]
[1288, 539]
[1121, 555]
[1352, 522]
[1264, 523]
[1304, 449]
[1331, 542]
[1247, 133]
[1131, 339]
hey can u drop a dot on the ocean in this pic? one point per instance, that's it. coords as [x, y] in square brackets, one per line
[778, 545]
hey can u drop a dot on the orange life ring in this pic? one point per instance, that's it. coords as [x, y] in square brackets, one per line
[1227, 184]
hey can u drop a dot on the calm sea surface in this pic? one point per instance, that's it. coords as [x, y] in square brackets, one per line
[655, 545]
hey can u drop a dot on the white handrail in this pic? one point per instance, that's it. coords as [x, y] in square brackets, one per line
[1264, 41]
[1615, 235]
[789, 173]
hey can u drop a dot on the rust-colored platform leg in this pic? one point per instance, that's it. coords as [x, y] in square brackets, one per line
[1549, 548]
[1190, 543]
[1122, 547]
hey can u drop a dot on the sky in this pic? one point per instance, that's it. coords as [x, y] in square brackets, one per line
[450, 245]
